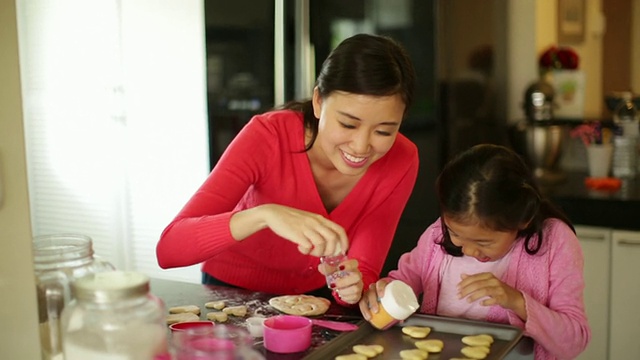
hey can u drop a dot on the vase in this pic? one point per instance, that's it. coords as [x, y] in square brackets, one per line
[599, 160]
[569, 86]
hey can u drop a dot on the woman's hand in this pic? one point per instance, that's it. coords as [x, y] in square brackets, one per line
[486, 285]
[369, 302]
[347, 282]
[313, 233]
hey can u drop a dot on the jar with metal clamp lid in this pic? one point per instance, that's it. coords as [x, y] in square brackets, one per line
[58, 260]
[114, 316]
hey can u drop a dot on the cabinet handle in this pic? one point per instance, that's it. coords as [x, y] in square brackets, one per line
[628, 243]
[592, 238]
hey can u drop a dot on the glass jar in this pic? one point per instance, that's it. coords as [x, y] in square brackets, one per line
[113, 316]
[225, 342]
[332, 267]
[58, 260]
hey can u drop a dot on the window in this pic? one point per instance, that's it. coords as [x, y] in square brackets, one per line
[115, 121]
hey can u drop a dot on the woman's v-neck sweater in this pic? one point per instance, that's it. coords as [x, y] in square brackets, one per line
[265, 164]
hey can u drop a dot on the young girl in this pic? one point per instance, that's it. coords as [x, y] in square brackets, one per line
[500, 253]
[320, 176]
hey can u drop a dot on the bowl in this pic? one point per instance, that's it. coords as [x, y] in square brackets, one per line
[199, 326]
[286, 334]
[614, 98]
[255, 326]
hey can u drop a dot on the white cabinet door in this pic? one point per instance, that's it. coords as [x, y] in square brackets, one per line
[625, 295]
[596, 244]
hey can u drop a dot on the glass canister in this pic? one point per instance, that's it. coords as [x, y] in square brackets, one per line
[114, 316]
[58, 260]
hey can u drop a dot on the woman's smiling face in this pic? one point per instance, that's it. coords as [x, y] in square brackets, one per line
[479, 242]
[354, 130]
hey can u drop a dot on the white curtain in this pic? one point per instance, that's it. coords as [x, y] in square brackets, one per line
[114, 100]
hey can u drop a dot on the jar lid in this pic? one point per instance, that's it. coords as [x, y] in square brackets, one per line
[399, 300]
[110, 286]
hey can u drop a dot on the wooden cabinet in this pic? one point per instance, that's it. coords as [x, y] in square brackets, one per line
[612, 291]
[624, 322]
[596, 247]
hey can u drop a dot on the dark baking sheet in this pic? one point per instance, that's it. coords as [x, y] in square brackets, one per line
[449, 330]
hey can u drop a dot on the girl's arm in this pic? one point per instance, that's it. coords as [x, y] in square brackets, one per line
[561, 327]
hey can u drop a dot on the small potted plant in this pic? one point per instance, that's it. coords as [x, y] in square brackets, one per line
[560, 67]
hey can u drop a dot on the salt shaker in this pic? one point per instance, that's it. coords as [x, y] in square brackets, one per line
[114, 316]
[58, 260]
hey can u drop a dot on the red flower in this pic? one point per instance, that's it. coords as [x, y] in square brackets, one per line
[559, 58]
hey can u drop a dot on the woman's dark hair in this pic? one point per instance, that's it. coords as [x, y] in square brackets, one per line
[491, 186]
[363, 64]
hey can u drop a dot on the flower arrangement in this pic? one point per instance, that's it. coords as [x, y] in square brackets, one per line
[559, 58]
[591, 133]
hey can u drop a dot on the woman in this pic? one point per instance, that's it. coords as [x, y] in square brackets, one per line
[320, 177]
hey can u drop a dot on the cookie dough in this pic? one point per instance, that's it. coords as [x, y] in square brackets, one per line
[185, 309]
[478, 340]
[416, 332]
[218, 305]
[431, 345]
[303, 305]
[239, 311]
[351, 357]
[414, 354]
[368, 350]
[217, 316]
[181, 317]
[475, 352]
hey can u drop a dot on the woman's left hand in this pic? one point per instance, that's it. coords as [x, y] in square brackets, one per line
[348, 287]
[486, 285]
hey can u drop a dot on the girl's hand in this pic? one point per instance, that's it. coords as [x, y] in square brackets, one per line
[369, 302]
[313, 233]
[486, 285]
[348, 285]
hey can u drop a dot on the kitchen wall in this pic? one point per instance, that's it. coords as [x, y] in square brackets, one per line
[18, 316]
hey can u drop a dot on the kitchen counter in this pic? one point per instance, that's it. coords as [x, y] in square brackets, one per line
[175, 293]
[619, 209]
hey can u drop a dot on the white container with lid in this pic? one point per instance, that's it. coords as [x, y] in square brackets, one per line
[398, 303]
[113, 316]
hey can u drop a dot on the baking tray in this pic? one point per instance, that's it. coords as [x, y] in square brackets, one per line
[449, 330]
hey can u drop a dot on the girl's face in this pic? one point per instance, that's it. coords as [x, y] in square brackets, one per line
[355, 130]
[479, 242]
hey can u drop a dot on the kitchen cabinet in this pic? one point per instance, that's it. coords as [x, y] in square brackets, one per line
[612, 287]
[624, 324]
[596, 247]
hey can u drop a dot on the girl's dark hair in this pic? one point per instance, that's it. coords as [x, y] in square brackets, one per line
[363, 64]
[491, 186]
